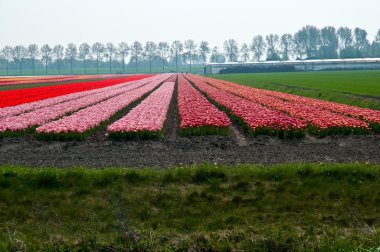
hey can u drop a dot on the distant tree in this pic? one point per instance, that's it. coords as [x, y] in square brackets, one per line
[361, 42]
[345, 39]
[231, 50]
[204, 50]
[308, 40]
[163, 49]
[71, 53]
[123, 51]
[272, 46]
[136, 50]
[84, 51]
[46, 55]
[33, 53]
[19, 53]
[58, 54]
[97, 50]
[150, 51]
[376, 45]
[110, 52]
[377, 38]
[244, 52]
[176, 50]
[216, 56]
[329, 43]
[286, 45]
[6, 54]
[258, 47]
[190, 47]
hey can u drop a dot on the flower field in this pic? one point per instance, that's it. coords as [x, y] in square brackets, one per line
[138, 106]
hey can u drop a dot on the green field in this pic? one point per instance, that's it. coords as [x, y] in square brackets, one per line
[317, 207]
[360, 88]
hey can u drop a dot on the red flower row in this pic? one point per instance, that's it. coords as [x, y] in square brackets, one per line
[16, 97]
[320, 118]
[195, 110]
[257, 117]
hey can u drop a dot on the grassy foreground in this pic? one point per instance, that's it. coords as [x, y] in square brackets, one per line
[204, 208]
[359, 88]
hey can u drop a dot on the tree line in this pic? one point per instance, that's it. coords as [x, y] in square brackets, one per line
[309, 42]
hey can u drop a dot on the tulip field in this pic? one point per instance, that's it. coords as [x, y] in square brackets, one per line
[137, 106]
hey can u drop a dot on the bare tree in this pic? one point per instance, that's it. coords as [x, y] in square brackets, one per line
[204, 50]
[244, 51]
[163, 49]
[361, 42]
[329, 43]
[71, 53]
[190, 47]
[110, 51]
[33, 53]
[272, 45]
[7, 54]
[123, 51]
[19, 53]
[258, 47]
[136, 50]
[46, 55]
[231, 50]
[150, 52]
[176, 50]
[286, 45]
[84, 51]
[98, 50]
[344, 37]
[58, 54]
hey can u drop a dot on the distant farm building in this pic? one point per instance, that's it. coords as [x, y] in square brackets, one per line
[293, 66]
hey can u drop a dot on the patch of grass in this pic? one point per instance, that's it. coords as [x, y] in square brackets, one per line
[321, 207]
[359, 88]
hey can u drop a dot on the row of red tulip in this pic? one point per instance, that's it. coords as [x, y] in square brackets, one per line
[20, 96]
[146, 119]
[258, 119]
[91, 117]
[321, 121]
[43, 115]
[198, 116]
[27, 107]
[369, 115]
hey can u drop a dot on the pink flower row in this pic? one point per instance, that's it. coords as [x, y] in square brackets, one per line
[46, 114]
[91, 117]
[149, 115]
[27, 107]
[316, 116]
[255, 116]
[195, 110]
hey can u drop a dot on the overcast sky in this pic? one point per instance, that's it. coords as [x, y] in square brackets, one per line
[77, 21]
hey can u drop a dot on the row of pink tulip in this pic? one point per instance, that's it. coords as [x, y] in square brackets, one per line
[321, 121]
[27, 107]
[46, 114]
[89, 118]
[146, 119]
[197, 114]
[259, 119]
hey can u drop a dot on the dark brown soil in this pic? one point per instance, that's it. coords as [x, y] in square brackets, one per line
[193, 150]
[173, 150]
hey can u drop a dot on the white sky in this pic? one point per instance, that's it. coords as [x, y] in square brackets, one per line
[77, 21]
